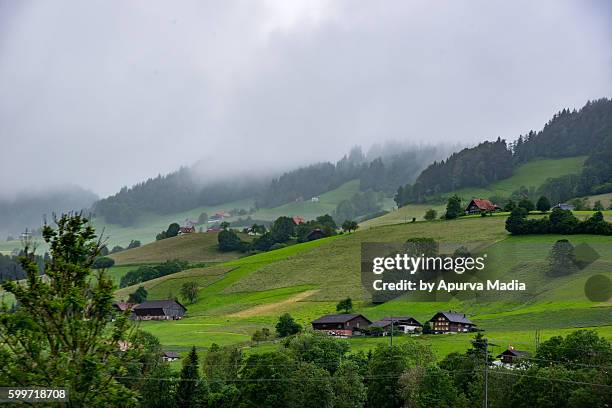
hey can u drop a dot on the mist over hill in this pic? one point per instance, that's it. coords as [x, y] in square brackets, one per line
[27, 209]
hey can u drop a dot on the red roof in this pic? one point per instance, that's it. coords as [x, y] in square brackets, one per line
[187, 230]
[484, 204]
[297, 220]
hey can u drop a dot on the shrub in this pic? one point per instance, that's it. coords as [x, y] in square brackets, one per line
[102, 262]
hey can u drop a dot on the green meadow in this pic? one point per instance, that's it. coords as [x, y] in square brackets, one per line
[307, 280]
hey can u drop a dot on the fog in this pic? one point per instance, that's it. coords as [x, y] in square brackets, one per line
[103, 94]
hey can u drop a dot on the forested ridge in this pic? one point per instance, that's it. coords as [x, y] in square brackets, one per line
[587, 131]
[179, 191]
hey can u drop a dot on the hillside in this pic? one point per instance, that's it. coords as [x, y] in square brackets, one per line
[196, 247]
[308, 279]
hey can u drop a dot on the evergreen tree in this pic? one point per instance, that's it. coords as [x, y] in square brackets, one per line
[543, 204]
[453, 208]
[192, 390]
[61, 335]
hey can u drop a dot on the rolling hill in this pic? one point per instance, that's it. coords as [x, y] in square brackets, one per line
[307, 280]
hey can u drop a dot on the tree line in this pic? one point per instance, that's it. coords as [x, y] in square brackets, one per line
[587, 131]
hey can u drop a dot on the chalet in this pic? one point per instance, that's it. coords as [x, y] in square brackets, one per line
[314, 199]
[297, 220]
[478, 205]
[451, 322]
[219, 216]
[563, 206]
[405, 324]
[159, 310]
[341, 324]
[170, 356]
[512, 355]
[187, 230]
[316, 233]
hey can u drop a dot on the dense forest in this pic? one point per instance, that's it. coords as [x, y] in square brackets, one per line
[180, 191]
[27, 210]
[476, 166]
[175, 192]
[587, 131]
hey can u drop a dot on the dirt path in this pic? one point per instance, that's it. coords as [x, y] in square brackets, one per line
[271, 307]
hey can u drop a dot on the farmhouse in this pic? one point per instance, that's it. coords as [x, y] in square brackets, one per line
[170, 356]
[405, 324]
[341, 324]
[187, 230]
[563, 206]
[451, 322]
[478, 205]
[159, 310]
[512, 355]
[316, 233]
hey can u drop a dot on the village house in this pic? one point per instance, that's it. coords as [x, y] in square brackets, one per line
[122, 306]
[314, 199]
[297, 220]
[404, 324]
[451, 322]
[170, 356]
[159, 310]
[478, 205]
[512, 355]
[341, 324]
[316, 233]
[187, 230]
[563, 206]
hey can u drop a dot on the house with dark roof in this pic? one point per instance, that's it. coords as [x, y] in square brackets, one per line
[170, 356]
[159, 310]
[451, 322]
[563, 206]
[341, 324]
[315, 234]
[512, 355]
[478, 205]
[404, 324]
[122, 306]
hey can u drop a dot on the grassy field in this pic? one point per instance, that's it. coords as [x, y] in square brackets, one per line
[532, 174]
[240, 296]
[606, 199]
[195, 247]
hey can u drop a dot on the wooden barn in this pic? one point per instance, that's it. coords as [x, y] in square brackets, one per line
[341, 324]
[159, 310]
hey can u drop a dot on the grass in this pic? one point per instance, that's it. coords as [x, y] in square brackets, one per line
[307, 280]
[195, 247]
[531, 174]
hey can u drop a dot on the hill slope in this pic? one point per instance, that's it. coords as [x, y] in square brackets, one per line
[308, 279]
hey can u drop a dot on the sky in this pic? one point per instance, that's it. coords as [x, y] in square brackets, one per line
[103, 94]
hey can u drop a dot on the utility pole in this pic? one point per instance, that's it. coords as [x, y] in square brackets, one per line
[391, 332]
[486, 371]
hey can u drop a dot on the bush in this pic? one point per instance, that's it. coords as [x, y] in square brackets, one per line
[278, 245]
[286, 326]
[230, 241]
[431, 214]
[102, 263]
[148, 272]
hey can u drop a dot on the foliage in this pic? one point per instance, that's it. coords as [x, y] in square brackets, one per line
[319, 349]
[192, 390]
[345, 305]
[430, 214]
[349, 386]
[311, 387]
[230, 241]
[526, 204]
[282, 229]
[276, 368]
[558, 222]
[102, 262]
[148, 272]
[287, 326]
[134, 244]
[349, 226]
[139, 296]
[189, 292]
[359, 204]
[61, 335]
[543, 204]
[453, 208]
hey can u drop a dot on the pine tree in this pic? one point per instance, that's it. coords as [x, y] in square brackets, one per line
[192, 389]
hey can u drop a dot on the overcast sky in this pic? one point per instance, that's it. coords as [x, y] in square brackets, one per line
[107, 93]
